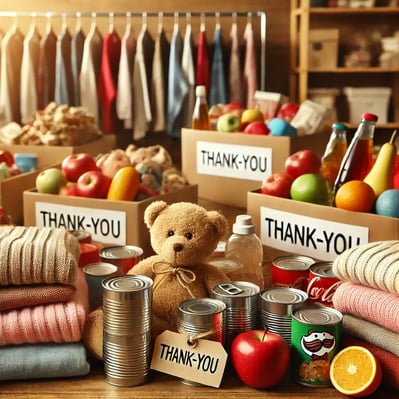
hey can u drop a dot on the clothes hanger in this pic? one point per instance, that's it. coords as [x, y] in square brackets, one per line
[111, 27]
[78, 26]
[217, 17]
[160, 22]
[202, 22]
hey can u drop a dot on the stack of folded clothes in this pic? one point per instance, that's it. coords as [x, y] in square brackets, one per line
[43, 304]
[369, 300]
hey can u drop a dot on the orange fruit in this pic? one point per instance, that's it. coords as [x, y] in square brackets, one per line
[355, 195]
[354, 371]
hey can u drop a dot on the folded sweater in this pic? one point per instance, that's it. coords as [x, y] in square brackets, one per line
[377, 306]
[375, 264]
[20, 362]
[35, 255]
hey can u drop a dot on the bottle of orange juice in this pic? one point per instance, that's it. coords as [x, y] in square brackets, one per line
[334, 152]
[201, 120]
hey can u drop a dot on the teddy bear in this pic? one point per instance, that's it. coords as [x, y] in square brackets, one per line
[183, 237]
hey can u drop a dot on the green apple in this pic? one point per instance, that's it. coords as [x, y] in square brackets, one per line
[311, 187]
[49, 181]
[229, 122]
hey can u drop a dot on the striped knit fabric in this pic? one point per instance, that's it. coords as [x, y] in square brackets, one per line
[374, 265]
[377, 306]
[34, 255]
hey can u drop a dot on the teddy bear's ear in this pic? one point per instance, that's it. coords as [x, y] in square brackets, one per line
[219, 221]
[152, 212]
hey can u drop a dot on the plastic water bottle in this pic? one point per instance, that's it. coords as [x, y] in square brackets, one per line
[244, 249]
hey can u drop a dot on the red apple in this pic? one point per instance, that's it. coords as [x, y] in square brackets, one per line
[93, 184]
[73, 166]
[301, 162]
[257, 127]
[7, 157]
[278, 185]
[287, 111]
[4, 219]
[260, 358]
[69, 190]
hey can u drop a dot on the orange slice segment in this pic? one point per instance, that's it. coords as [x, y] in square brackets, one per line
[354, 371]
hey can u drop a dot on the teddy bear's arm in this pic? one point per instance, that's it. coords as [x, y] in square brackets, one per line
[144, 267]
[213, 276]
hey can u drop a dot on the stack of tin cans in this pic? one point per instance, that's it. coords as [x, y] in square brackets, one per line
[277, 305]
[242, 306]
[127, 329]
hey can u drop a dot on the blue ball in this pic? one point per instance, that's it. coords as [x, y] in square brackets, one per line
[387, 203]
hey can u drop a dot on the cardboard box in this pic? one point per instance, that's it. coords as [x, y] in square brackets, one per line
[11, 189]
[109, 222]
[323, 48]
[286, 226]
[226, 166]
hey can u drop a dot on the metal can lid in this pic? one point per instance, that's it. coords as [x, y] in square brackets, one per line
[81, 235]
[100, 268]
[322, 269]
[236, 289]
[127, 283]
[201, 306]
[293, 262]
[317, 315]
[284, 295]
[121, 252]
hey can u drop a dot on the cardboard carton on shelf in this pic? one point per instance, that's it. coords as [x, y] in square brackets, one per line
[11, 189]
[109, 222]
[322, 232]
[225, 166]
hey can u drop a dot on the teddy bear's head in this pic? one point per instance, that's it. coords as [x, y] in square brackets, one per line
[184, 233]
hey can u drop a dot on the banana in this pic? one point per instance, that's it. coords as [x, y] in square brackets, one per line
[380, 177]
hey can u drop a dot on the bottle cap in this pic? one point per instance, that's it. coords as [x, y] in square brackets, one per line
[243, 225]
[339, 126]
[200, 91]
[370, 117]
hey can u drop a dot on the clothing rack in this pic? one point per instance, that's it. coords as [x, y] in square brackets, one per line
[175, 15]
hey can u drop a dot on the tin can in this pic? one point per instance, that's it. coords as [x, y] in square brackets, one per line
[242, 306]
[291, 271]
[123, 256]
[202, 318]
[277, 305]
[322, 284]
[127, 329]
[89, 253]
[316, 336]
[83, 236]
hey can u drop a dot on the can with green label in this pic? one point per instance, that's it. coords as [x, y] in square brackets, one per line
[315, 339]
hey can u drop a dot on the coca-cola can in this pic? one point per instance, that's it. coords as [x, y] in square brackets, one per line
[291, 271]
[322, 284]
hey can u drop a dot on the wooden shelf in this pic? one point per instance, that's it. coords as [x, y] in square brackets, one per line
[352, 10]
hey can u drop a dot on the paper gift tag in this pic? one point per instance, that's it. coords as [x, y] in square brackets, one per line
[202, 362]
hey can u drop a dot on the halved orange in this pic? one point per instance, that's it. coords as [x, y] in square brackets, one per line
[354, 371]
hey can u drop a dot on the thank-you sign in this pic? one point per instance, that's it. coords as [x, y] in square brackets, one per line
[235, 161]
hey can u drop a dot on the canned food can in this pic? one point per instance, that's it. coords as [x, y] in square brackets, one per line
[291, 271]
[83, 236]
[277, 305]
[316, 336]
[242, 306]
[322, 284]
[127, 329]
[89, 253]
[202, 318]
[123, 256]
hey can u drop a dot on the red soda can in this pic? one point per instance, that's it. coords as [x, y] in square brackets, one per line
[322, 284]
[291, 271]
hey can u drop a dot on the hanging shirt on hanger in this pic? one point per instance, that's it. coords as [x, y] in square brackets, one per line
[235, 75]
[64, 93]
[29, 74]
[77, 44]
[92, 50]
[124, 104]
[10, 75]
[108, 80]
[178, 86]
[142, 114]
[188, 68]
[46, 70]
[218, 91]
[250, 69]
[202, 77]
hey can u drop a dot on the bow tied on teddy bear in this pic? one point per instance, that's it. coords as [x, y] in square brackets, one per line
[183, 236]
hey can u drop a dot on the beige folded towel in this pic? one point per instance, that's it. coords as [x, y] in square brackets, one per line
[35, 255]
[374, 265]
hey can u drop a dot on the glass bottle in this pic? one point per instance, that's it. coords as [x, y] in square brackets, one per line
[334, 153]
[244, 248]
[358, 158]
[200, 119]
